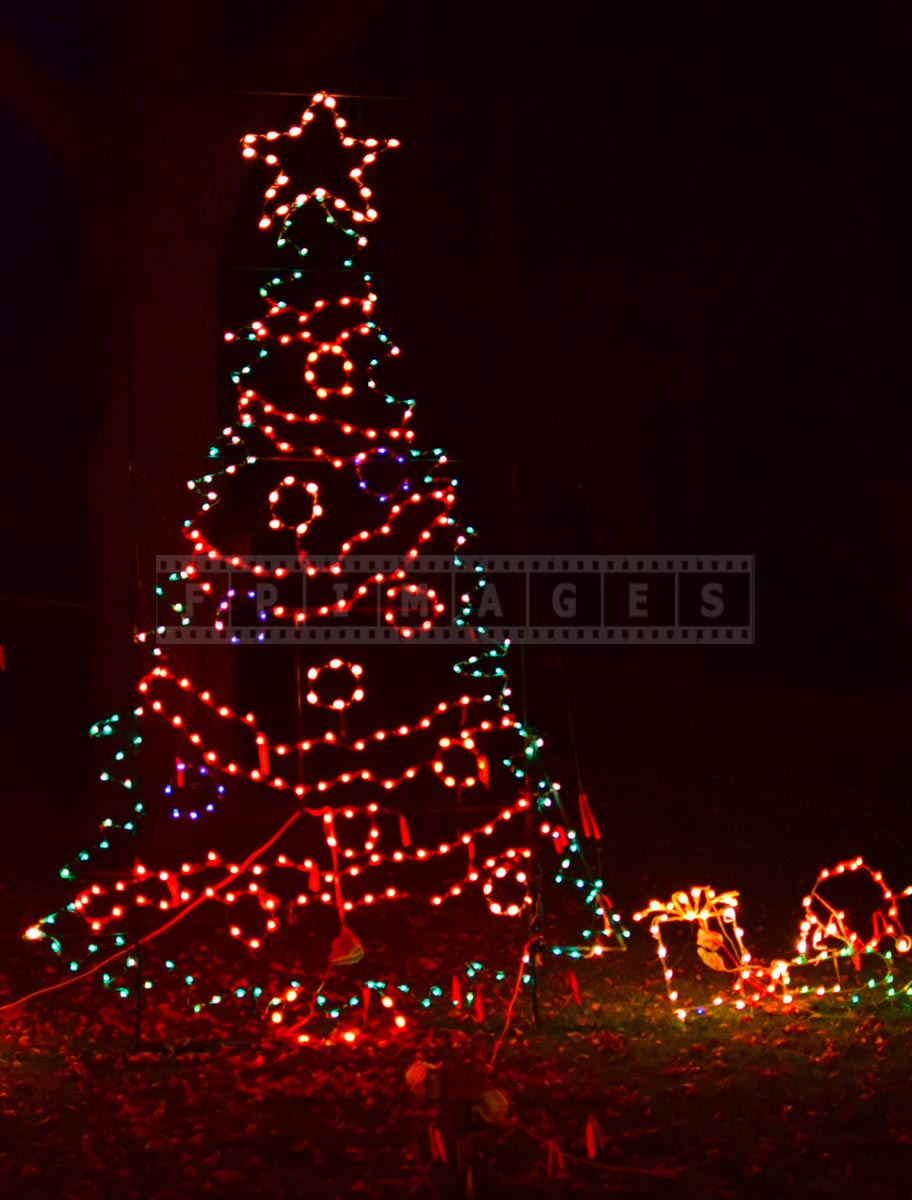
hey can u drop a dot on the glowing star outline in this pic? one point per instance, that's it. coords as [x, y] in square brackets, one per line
[277, 206]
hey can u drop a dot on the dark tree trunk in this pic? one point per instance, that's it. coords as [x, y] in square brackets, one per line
[156, 228]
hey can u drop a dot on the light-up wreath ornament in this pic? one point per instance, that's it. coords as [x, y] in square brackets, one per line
[346, 795]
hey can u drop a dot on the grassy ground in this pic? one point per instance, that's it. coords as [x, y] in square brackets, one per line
[814, 1103]
[749, 787]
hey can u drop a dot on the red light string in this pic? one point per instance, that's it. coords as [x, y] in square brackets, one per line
[514, 997]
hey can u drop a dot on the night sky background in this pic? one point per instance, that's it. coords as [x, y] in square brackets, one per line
[647, 265]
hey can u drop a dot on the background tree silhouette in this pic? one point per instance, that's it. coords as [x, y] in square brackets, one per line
[148, 144]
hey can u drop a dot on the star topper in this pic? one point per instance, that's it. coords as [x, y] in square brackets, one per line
[350, 215]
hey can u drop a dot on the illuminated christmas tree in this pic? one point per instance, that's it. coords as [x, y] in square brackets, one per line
[355, 773]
